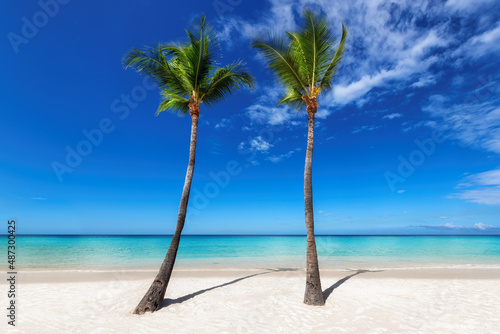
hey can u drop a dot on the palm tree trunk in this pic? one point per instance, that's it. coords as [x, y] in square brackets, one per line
[153, 299]
[313, 294]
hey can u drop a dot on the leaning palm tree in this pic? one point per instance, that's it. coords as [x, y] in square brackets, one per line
[305, 63]
[187, 75]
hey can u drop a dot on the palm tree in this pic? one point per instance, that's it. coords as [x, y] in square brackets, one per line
[187, 75]
[305, 63]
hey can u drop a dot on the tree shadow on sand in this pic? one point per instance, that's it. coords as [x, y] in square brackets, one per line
[168, 301]
[329, 291]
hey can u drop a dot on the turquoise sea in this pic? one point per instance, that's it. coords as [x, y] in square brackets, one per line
[215, 252]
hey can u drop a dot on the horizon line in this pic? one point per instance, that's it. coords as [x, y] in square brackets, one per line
[249, 235]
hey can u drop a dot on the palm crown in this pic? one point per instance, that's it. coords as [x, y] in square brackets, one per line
[306, 62]
[188, 74]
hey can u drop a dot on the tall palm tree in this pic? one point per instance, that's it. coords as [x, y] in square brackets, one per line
[305, 63]
[187, 75]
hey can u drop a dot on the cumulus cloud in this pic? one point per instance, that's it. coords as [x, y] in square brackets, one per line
[257, 144]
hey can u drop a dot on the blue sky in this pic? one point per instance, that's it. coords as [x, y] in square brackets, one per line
[407, 142]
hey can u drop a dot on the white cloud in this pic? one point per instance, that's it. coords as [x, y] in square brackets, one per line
[404, 69]
[467, 5]
[489, 178]
[323, 113]
[365, 128]
[281, 157]
[388, 48]
[259, 144]
[391, 46]
[392, 116]
[38, 198]
[271, 115]
[278, 18]
[401, 191]
[425, 81]
[481, 45]
[482, 227]
[452, 226]
[265, 110]
[223, 123]
[488, 196]
[323, 213]
[482, 188]
[474, 122]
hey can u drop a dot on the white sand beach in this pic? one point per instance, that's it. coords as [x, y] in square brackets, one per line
[262, 301]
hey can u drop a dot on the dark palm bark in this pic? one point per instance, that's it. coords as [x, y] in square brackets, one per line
[313, 294]
[153, 299]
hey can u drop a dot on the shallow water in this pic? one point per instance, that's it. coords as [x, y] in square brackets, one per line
[147, 252]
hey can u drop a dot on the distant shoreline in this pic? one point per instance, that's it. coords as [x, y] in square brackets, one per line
[256, 235]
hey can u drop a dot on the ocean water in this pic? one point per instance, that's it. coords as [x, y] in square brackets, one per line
[216, 252]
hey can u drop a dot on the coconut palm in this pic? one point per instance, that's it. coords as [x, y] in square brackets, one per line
[187, 75]
[305, 63]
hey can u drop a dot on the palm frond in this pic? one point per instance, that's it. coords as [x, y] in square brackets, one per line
[293, 99]
[306, 63]
[153, 63]
[334, 65]
[316, 39]
[281, 61]
[201, 52]
[181, 62]
[299, 56]
[174, 102]
[226, 81]
[188, 72]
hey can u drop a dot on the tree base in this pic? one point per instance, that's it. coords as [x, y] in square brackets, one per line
[153, 300]
[313, 295]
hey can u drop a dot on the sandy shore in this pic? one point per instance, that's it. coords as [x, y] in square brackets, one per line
[261, 301]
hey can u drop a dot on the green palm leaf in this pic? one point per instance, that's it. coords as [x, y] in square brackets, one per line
[316, 40]
[334, 65]
[153, 63]
[188, 72]
[307, 61]
[281, 61]
[225, 81]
